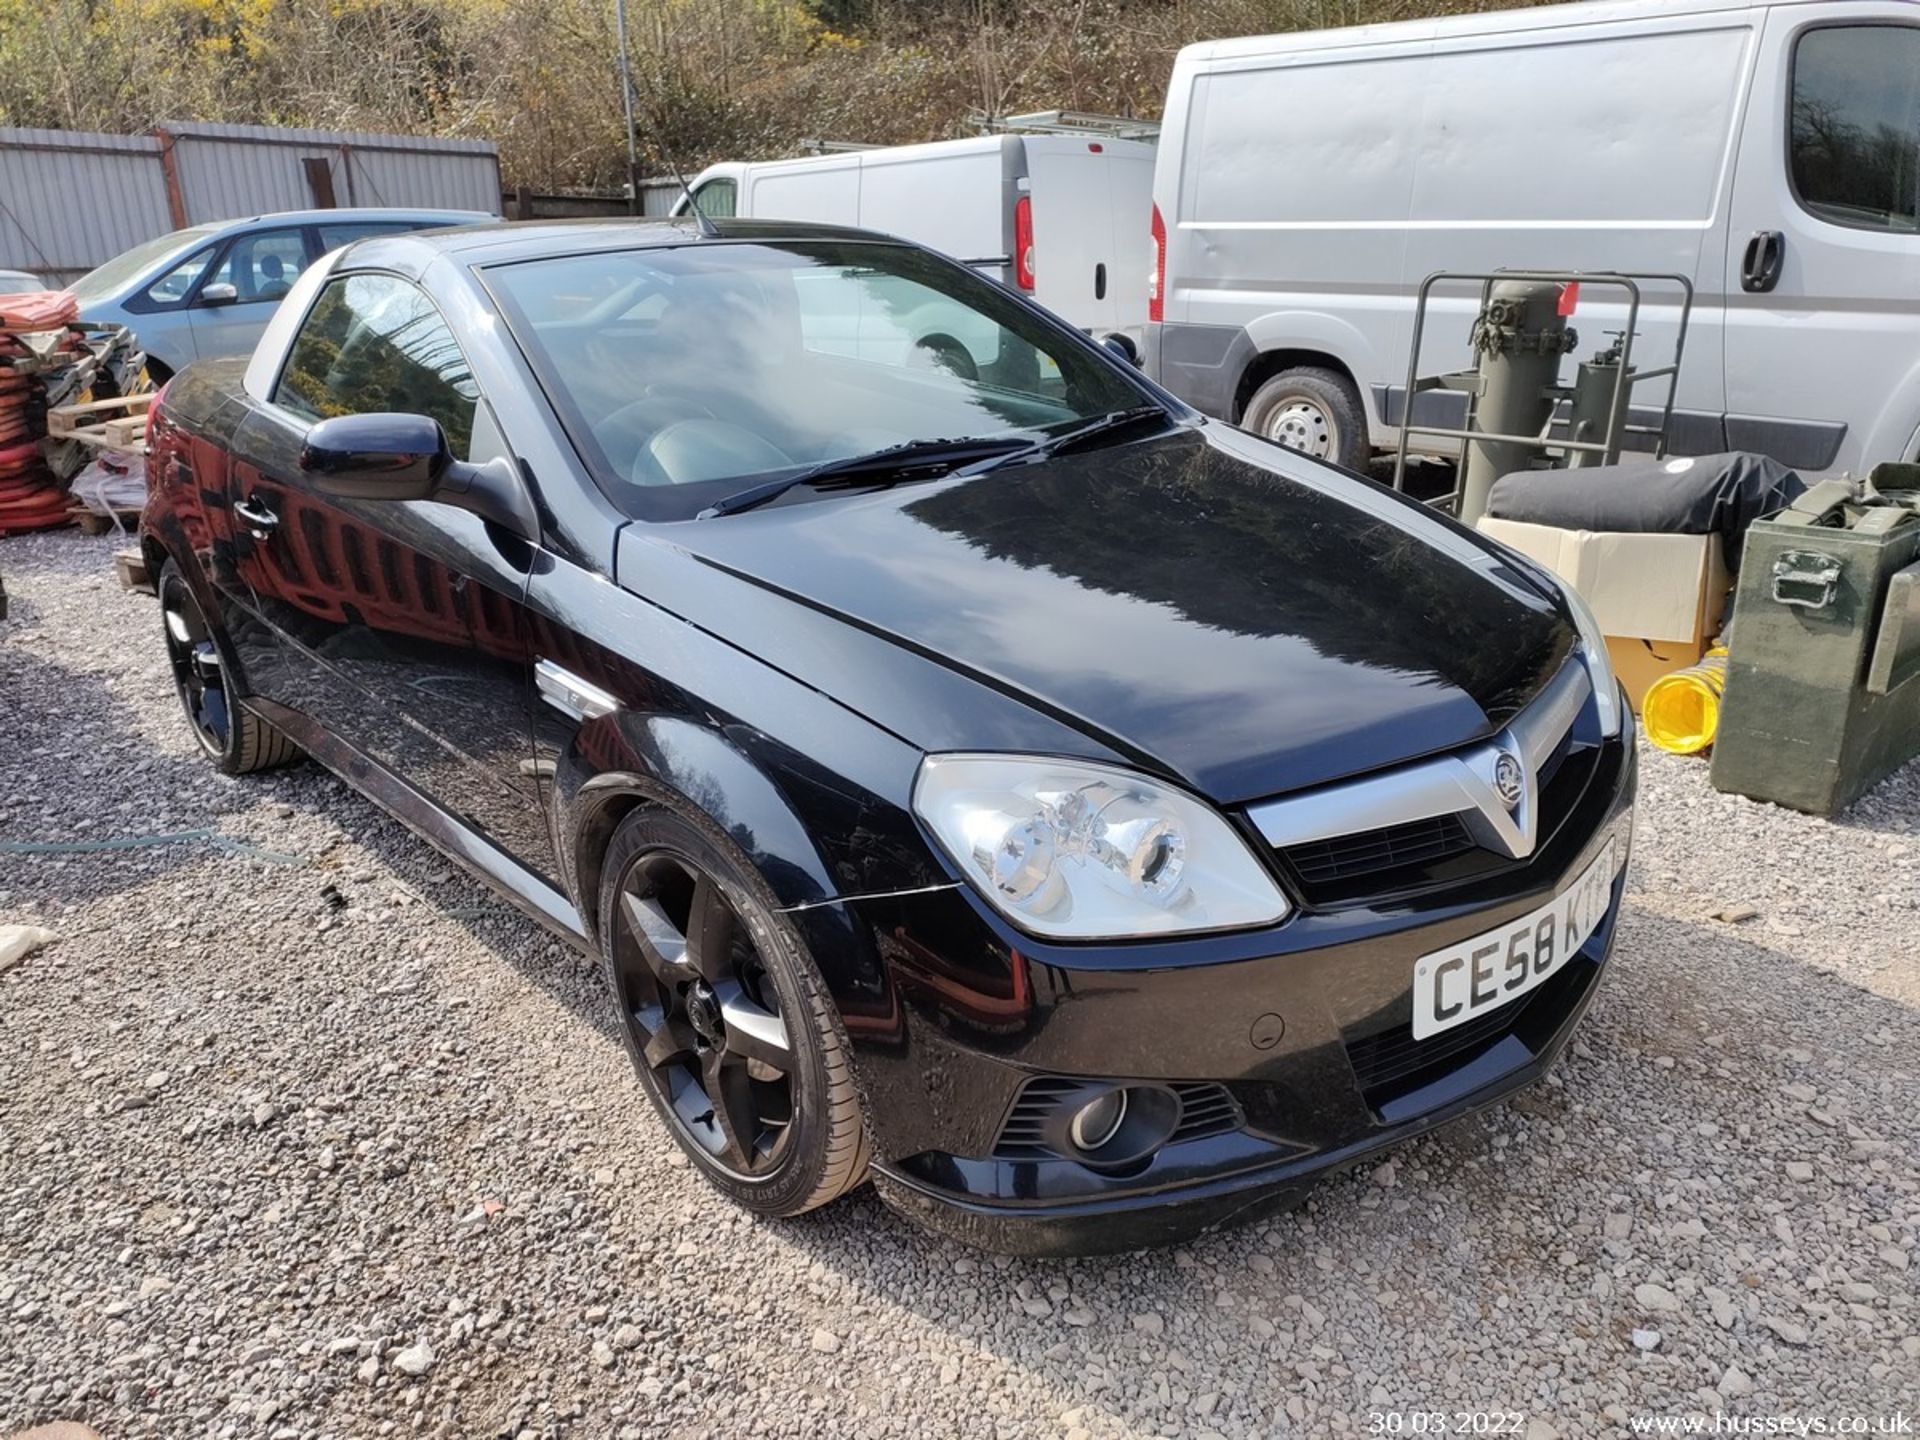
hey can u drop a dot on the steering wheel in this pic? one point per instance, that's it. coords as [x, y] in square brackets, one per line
[625, 430]
[940, 351]
[689, 451]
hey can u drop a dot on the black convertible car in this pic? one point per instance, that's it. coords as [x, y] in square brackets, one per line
[978, 772]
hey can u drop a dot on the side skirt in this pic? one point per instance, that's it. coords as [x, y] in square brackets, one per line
[439, 827]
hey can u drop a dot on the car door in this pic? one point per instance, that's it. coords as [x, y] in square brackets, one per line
[391, 621]
[236, 296]
[1823, 264]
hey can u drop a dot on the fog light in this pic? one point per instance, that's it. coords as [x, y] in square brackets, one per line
[1098, 1121]
[1112, 1126]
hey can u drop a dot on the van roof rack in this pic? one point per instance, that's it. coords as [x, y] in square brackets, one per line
[1067, 122]
[814, 146]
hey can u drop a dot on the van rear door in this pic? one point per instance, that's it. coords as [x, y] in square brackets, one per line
[1823, 268]
[1073, 235]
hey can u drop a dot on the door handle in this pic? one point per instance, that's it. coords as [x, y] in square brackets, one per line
[1760, 266]
[1100, 281]
[258, 519]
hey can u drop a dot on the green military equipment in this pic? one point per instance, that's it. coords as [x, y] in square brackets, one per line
[1823, 671]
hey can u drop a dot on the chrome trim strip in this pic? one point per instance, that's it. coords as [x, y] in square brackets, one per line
[1462, 783]
[569, 694]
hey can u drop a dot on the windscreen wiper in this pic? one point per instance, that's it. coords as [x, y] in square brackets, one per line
[890, 466]
[1065, 440]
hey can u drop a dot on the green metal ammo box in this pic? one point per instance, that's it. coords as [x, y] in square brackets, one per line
[1823, 665]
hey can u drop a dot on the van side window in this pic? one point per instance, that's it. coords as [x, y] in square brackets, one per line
[716, 198]
[1856, 125]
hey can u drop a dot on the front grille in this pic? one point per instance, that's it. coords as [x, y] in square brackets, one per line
[1417, 843]
[1206, 1109]
[1420, 855]
[1391, 1063]
[1382, 1062]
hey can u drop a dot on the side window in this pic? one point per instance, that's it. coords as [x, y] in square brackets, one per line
[174, 286]
[332, 237]
[1855, 131]
[717, 198]
[262, 266]
[374, 344]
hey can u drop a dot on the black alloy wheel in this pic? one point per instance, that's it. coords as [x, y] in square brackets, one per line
[198, 676]
[729, 1027]
[233, 737]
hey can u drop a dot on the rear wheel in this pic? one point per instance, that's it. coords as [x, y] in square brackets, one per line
[730, 1028]
[1312, 410]
[233, 737]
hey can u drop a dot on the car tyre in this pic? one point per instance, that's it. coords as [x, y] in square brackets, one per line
[235, 739]
[726, 1018]
[1315, 411]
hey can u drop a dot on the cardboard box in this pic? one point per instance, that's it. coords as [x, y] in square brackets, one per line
[1658, 598]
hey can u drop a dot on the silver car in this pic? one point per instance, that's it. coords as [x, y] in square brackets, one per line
[15, 282]
[209, 290]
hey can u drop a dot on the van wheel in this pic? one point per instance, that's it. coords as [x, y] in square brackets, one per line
[1314, 411]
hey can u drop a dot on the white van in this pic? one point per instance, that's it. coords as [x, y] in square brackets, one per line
[1059, 216]
[1769, 152]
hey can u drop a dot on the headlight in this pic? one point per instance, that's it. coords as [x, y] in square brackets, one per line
[1076, 851]
[1593, 647]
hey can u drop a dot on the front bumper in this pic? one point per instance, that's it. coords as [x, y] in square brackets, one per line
[1306, 1027]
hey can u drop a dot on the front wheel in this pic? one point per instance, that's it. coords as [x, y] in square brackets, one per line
[236, 740]
[1312, 410]
[727, 1020]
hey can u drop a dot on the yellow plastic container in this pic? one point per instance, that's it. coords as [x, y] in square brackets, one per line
[1681, 711]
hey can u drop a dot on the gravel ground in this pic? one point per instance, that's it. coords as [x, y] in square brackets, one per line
[274, 1167]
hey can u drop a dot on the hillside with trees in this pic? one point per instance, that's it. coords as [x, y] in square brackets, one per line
[716, 79]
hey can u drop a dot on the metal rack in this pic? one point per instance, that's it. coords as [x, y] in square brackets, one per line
[1617, 427]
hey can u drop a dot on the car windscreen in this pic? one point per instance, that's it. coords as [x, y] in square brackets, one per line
[684, 373]
[106, 281]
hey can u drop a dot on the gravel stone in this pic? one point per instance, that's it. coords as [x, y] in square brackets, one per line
[417, 1359]
[1649, 1296]
[423, 1153]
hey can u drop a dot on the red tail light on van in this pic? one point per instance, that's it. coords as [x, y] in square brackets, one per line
[1157, 281]
[1023, 242]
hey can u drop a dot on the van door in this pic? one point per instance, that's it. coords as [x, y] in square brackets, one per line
[826, 191]
[956, 198]
[1823, 263]
[1130, 251]
[1073, 257]
[1621, 162]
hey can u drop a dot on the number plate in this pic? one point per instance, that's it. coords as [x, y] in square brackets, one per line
[1473, 977]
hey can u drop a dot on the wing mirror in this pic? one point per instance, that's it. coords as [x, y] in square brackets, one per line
[406, 457]
[1121, 345]
[220, 293]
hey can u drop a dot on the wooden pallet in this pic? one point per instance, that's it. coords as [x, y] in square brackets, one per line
[119, 424]
[92, 522]
[131, 567]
